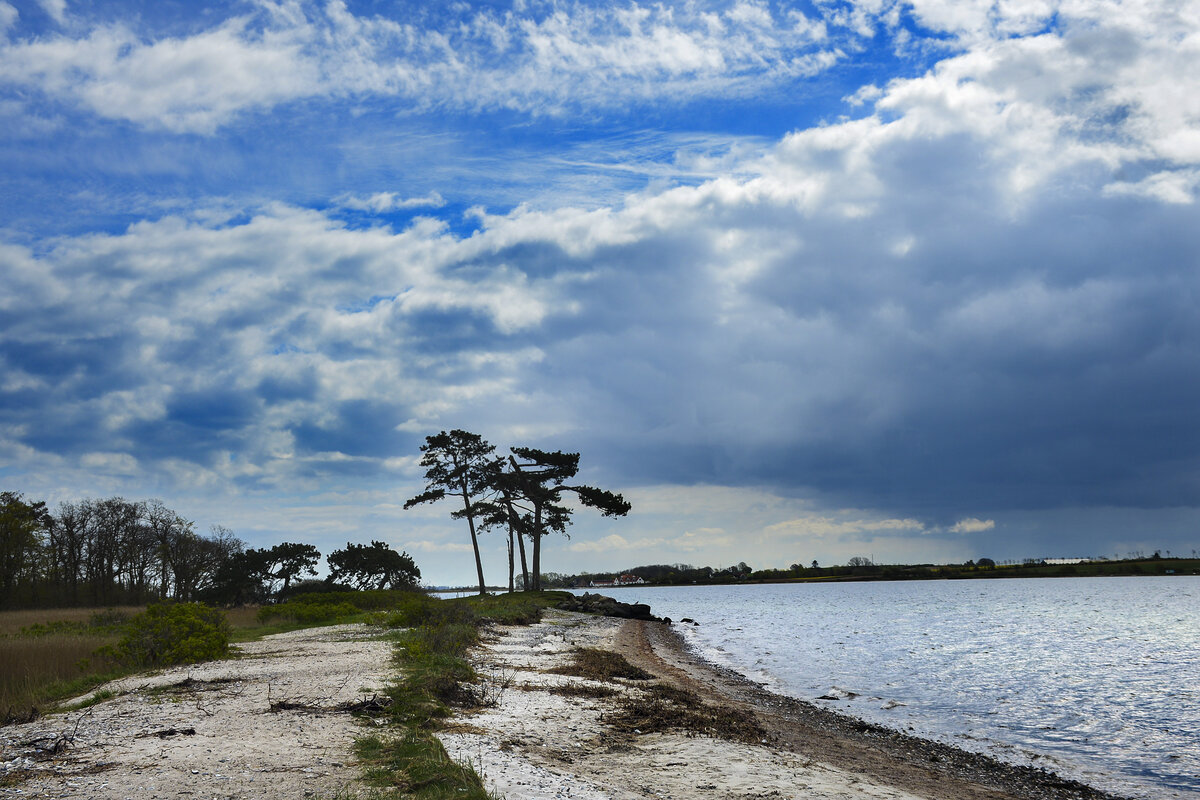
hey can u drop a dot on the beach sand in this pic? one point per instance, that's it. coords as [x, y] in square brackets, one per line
[261, 726]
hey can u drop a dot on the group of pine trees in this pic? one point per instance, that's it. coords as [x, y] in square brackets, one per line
[523, 494]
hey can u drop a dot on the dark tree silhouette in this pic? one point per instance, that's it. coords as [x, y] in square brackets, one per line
[463, 465]
[537, 482]
[374, 566]
[287, 561]
[21, 524]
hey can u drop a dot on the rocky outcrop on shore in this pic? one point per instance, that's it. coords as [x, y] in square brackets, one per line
[605, 606]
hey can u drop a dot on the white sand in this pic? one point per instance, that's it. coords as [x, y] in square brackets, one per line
[534, 744]
[240, 748]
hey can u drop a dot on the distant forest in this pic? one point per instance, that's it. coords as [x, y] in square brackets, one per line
[113, 551]
[863, 569]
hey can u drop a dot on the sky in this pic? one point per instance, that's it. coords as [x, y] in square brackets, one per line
[915, 281]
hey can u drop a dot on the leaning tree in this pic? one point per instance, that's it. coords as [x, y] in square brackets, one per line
[536, 485]
[463, 465]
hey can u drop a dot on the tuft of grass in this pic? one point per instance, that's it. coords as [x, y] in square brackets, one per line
[667, 708]
[573, 690]
[414, 764]
[310, 613]
[601, 665]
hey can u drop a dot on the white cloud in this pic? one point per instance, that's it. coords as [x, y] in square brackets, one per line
[57, 9]
[381, 202]
[429, 546]
[574, 56]
[8, 16]
[842, 525]
[972, 525]
[693, 541]
[612, 542]
[121, 463]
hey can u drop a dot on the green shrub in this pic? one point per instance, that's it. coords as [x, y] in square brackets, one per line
[307, 613]
[183, 633]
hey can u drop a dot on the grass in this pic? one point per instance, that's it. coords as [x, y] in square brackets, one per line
[414, 764]
[601, 665]
[435, 677]
[14, 622]
[668, 708]
[41, 669]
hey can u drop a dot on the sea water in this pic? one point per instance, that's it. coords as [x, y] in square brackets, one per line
[1097, 679]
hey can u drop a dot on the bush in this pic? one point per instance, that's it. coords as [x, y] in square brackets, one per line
[183, 633]
[307, 613]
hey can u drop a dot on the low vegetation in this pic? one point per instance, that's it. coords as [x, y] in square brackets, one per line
[435, 677]
[666, 708]
[53, 654]
[49, 655]
[66, 654]
[601, 665]
[182, 633]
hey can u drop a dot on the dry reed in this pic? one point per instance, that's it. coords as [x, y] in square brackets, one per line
[14, 621]
[33, 664]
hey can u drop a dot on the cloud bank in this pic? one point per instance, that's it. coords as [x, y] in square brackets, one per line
[967, 300]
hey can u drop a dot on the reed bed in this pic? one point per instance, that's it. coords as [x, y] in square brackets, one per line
[49, 654]
[37, 667]
[13, 622]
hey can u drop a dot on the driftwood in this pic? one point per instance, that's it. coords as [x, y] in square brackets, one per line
[372, 707]
[168, 733]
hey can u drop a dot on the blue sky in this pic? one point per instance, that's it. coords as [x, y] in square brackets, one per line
[911, 280]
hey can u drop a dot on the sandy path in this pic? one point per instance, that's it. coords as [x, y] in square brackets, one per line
[535, 744]
[240, 748]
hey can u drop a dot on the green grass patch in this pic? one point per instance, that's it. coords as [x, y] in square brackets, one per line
[434, 678]
[414, 764]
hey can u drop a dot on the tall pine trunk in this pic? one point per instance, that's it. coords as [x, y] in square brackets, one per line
[466, 496]
[524, 562]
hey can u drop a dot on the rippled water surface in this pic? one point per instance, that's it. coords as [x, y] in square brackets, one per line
[1094, 678]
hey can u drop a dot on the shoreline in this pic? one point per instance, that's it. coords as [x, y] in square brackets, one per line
[908, 761]
[541, 734]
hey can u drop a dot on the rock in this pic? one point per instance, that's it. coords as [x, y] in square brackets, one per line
[602, 605]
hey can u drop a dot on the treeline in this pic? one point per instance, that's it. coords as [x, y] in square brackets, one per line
[113, 551]
[861, 568]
